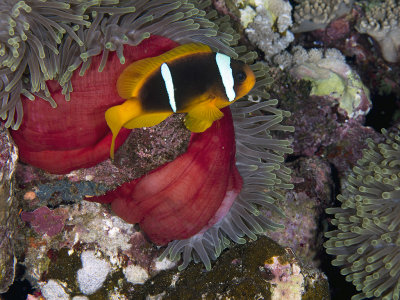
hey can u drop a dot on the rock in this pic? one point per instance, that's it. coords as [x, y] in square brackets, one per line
[52, 290]
[8, 211]
[94, 272]
[261, 269]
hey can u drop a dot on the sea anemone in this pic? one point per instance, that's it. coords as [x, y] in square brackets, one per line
[367, 242]
[104, 28]
[197, 195]
[180, 198]
[259, 159]
[44, 40]
[109, 31]
[83, 138]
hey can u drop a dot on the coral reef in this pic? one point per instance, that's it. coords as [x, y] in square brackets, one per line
[321, 128]
[303, 207]
[8, 213]
[58, 230]
[311, 15]
[329, 76]
[381, 22]
[267, 26]
[366, 241]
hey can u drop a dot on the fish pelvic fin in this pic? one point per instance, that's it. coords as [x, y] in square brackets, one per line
[201, 117]
[117, 116]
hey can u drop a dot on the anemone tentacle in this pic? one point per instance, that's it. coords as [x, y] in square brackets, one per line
[366, 242]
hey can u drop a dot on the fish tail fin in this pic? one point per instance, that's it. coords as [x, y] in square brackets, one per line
[201, 117]
[117, 116]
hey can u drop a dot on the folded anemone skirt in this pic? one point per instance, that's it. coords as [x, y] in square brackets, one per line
[75, 134]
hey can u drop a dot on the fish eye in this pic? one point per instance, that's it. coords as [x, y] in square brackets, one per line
[241, 76]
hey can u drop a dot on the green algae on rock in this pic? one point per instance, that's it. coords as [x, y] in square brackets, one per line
[258, 268]
[329, 75]
[366, 242]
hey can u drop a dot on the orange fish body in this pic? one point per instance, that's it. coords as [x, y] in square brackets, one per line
[187, 79]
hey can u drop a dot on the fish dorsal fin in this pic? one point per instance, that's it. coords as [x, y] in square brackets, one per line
[134, 75]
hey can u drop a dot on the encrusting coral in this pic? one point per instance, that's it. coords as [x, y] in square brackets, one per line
[311, 15]
[329, 75]
[366, 242]
[268, 25]
[382, 23]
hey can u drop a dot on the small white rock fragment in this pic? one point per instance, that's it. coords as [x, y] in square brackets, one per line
[80, 298]
[54, 291]
[93, 273]
[135, 274]
[164, 264]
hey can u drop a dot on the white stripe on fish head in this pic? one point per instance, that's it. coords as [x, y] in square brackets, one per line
[169, 85]
[225, 70]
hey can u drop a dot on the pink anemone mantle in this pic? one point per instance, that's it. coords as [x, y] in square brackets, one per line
[75, 135]
[188, 195]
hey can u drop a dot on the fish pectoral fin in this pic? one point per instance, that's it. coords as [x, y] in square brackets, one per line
[197, 125]
[201, 117]
[117, 116]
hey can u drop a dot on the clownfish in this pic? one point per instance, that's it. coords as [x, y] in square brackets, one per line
[187, 79]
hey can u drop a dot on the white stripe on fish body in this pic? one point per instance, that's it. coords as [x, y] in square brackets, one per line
[169, 85]
[225, 70]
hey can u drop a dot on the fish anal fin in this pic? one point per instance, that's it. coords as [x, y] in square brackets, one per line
[134, 76]
[147, 120]
[202, 116]
[118, 115]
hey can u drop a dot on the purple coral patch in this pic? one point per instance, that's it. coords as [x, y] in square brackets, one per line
[44, 220]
